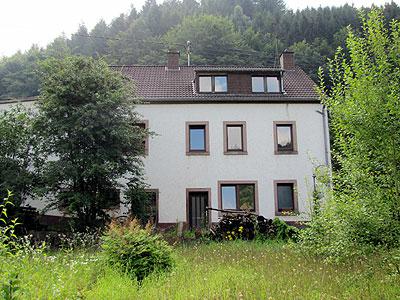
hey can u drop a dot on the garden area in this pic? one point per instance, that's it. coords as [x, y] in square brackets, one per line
[206, 270]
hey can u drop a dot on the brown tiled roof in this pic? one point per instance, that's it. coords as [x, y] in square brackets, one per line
[157, 84]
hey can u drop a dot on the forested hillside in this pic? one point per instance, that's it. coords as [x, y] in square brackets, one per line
[234, 32]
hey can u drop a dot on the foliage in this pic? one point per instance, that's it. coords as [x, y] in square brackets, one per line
[233, 270]
[16, 153]
[136, 251]
[141, 203]
[362, 212]
[8, 239]
[86, 127]
[208, 33]
[239, 32]
[249, 227]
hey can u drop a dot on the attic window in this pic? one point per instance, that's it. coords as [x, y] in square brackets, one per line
[213, 84]
[265, 84]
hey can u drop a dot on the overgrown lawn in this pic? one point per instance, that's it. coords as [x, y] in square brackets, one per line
[231, 270]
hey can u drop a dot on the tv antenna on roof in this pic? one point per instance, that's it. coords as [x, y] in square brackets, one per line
[188, 51]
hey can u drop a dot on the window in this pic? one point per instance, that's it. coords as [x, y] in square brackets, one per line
[257, 84]
[273, 85]
[235, 138]
[213, 84]
[144, 205]
[150, 206]
[144, 125]
[285, 137]
[265, 84]
[237, 196]
[197, 138]
[285, 197]
[221, 84]
[205, 85]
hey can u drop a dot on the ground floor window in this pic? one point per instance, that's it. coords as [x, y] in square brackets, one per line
[144, 205]
[285, 197]
[237, 196]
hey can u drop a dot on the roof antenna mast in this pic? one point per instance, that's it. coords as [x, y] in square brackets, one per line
[188, 51]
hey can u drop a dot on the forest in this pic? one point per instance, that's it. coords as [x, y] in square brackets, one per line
[230, 32]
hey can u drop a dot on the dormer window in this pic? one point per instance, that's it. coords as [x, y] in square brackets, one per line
[213, 84]
[265, 84]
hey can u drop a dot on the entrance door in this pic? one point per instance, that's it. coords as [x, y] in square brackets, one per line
[198, 201]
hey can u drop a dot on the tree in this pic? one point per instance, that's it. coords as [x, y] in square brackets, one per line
[18, 76]
[363, 210]
[214, 39]
[86, 123]
[16, 154]
[307, 57]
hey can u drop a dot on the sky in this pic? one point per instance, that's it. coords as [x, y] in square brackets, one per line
[27, 22]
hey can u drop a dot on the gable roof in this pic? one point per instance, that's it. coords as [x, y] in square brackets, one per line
[158, 84]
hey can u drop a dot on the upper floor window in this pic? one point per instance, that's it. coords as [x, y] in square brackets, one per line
[285, 137]
[235, 138]
[265, 84]
[213, 84]
[197, 138]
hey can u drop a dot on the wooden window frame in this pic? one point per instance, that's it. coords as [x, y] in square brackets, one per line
[236, 183]
[188, 191]
[206, 138]
[295, 198]
[227, 124]
[293, 134]
[157, 192]
[266, 85]
[212, 83]
[146, 141]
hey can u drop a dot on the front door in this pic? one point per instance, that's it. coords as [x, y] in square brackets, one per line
[198, 201]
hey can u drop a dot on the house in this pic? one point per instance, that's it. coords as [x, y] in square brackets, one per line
[229, 138]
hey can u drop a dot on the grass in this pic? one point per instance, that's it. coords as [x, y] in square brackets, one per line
[231, 270]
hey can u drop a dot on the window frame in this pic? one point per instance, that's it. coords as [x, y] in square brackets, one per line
[206, 138]
[295, 210]
[212, 83]
[266, 85]
[242, 124]
[157, 193]
[236, 183]
[294, 150]
[146, 141]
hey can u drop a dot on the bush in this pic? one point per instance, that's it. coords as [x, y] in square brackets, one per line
[249, 227]
[135, 250]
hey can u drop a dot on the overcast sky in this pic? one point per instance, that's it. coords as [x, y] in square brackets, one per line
[27, 22]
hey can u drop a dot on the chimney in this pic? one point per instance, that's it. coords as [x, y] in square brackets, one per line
[287, 60]
[173, 60]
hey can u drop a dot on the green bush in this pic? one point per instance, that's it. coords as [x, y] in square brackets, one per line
[135, 250]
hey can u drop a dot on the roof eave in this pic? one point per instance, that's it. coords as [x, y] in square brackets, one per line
[171, 100]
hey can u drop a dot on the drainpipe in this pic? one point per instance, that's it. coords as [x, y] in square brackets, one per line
[327, 143]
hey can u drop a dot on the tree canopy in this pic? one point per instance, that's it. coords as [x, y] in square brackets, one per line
[87, 128]
[363, 210]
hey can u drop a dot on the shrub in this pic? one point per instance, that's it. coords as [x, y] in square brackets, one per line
[135, 250]
[8, 239]
[249, 227]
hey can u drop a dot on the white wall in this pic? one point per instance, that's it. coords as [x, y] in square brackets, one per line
[169, 169]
